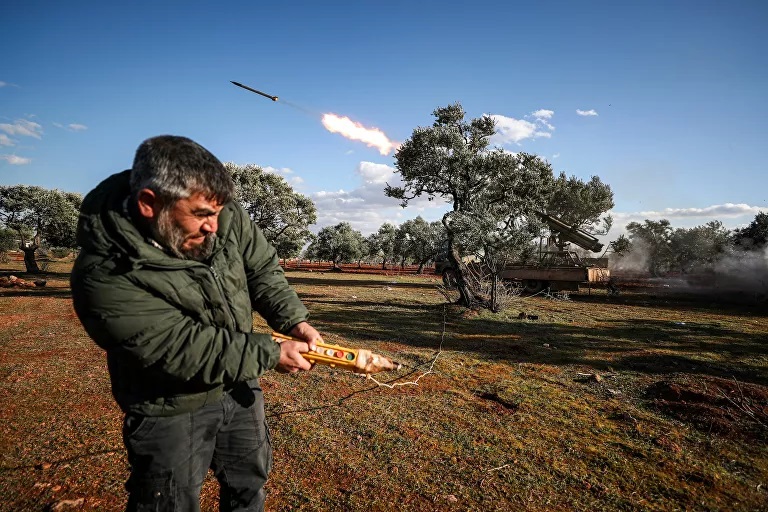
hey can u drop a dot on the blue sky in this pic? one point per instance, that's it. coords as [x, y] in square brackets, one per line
[663, 100]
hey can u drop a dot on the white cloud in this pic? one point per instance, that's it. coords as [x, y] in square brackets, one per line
[23, 127]
[3, 84]
[73, 127]
[717, 210]
[6, 141]
[283, 171]
[286, 173]
[376, 174]
[366, 207]
[730, 214]
[590, 112]
[556, 155]
[541, 116]
[15, 160]
[511, 130]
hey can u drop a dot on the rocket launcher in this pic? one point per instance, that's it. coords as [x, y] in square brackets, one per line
[358, 360]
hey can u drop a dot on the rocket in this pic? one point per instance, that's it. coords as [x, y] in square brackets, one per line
[273, 98]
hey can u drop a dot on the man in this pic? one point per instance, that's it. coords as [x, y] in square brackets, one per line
[170, 270]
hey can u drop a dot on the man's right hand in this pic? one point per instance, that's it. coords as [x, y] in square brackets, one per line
[291, 360]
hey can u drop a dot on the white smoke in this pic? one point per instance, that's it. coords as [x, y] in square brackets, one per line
[737, 273]
[373, 137]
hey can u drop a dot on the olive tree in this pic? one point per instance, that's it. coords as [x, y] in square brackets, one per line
[39, 216]
[381, 245]
[420, 241]
[283, 215]
[753, 236]
[492, 193]
[700, 246]
[580, 204]
[337, 244]
[654, 240]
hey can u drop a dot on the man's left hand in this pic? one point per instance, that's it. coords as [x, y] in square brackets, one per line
[306, 332]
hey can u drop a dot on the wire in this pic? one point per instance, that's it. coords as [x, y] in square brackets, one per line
[429, 371]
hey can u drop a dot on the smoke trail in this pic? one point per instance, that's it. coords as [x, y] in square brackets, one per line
[373, 137]
[304, 110]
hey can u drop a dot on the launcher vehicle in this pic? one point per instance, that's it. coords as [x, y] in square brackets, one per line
[556, 270]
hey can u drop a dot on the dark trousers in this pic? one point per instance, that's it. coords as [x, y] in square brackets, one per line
[170, 456]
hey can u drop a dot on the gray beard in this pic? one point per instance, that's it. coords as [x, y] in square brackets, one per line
[168, 234]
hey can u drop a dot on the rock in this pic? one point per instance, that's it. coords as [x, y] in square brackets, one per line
[66, 504]
[15, 282]
[589, 377]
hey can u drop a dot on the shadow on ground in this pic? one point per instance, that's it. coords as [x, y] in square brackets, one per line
[655, 347]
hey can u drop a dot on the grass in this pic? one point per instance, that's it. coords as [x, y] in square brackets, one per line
[509, 419]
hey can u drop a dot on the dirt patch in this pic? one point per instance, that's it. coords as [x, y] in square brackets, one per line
[722, 406]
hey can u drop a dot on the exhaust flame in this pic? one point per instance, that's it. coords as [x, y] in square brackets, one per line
[352, 130]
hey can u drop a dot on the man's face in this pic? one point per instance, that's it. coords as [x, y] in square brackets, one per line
[188, 227]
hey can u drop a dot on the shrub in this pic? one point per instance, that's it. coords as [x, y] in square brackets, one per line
[60, 252]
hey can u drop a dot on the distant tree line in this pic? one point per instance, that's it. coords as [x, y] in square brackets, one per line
[414, 241]
[666, 249]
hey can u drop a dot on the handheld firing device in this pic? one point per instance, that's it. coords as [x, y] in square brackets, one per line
[357, 360]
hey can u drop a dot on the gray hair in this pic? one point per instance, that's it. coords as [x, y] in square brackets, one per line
[176, 167]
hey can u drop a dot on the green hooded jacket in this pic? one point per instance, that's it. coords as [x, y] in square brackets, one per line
[177, 333]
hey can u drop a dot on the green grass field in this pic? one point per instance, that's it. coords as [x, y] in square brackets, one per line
[650, 401]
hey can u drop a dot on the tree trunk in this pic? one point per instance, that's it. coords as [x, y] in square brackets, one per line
[29, 259]
[467, 298]
[421, 268]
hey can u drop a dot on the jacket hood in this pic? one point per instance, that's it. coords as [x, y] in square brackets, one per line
[106, 228]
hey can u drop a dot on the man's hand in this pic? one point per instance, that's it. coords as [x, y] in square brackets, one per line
[306, 332]
[291, 360]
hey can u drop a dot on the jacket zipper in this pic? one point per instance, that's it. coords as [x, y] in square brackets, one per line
[217, 280]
